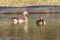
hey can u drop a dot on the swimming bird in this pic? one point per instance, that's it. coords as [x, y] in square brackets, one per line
[22, 21]
[41, 23]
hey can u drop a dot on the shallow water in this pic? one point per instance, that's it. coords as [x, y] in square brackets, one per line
[16, 32]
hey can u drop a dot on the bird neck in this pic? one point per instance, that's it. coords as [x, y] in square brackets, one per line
[25, 18]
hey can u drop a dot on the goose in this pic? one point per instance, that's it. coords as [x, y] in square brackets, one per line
[21, 21]
[41, 23]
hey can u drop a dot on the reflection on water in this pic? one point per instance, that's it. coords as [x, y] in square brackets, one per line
[16, 32]
[10, 38]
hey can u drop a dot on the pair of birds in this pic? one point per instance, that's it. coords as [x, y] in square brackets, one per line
[40, 22]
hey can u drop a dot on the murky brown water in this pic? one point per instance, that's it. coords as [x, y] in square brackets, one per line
[16, 32]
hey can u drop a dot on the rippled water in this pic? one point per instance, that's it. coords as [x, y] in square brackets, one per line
[16, 32]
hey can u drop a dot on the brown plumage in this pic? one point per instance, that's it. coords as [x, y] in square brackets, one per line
[41, 22]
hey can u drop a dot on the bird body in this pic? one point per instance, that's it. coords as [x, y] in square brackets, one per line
[20, 21]
[41, 23]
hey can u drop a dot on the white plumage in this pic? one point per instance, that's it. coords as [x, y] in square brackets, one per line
[44, 22]
[15, 21]
[18, 21]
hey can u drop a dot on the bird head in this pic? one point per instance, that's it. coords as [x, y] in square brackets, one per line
[25, 13]
[41, 18]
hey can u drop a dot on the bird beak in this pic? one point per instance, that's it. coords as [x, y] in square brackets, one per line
[27, 15]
